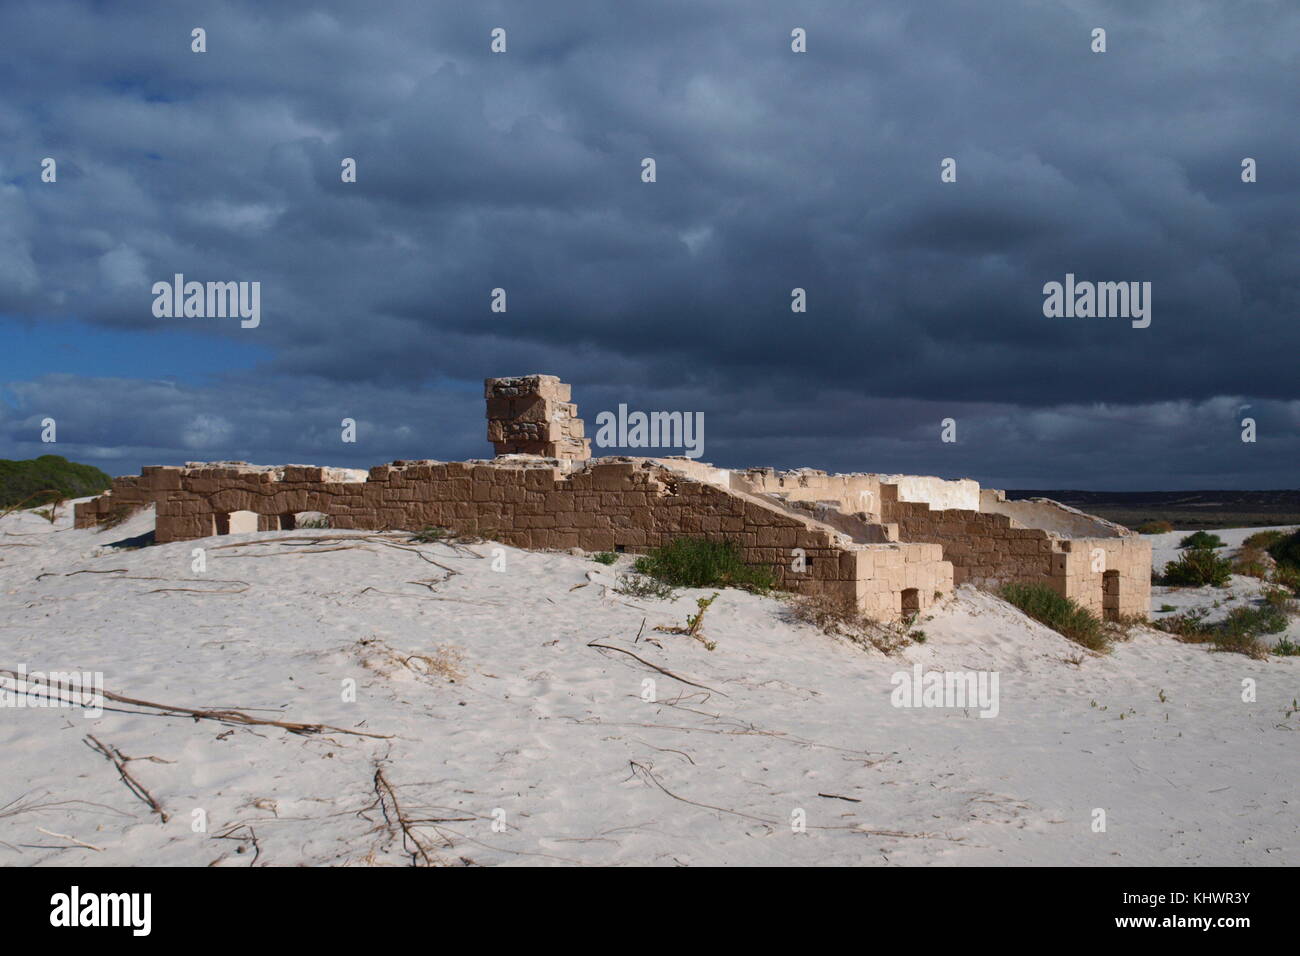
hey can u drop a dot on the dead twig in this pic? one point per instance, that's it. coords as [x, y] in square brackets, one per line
[386, 798]
[115, 757]
[223, 716]
[70, 839]
[666, 673]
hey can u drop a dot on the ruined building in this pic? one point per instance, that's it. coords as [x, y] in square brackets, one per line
[891, 543]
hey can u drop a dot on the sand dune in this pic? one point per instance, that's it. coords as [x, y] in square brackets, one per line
[519, 743]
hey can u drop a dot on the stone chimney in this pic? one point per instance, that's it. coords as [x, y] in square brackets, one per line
[532, 415]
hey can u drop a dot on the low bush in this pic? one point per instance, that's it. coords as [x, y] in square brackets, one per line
[704, 563]
[604, 557]
[1286, 648]
[1201, 539]
[1264, 539]
[1188, 626]
[1286, 550]
[1287, 577]
[637, 586]
[1061, 614]
[1196, 568]
[1154, 527]
[1252, 562]
[1240, 631]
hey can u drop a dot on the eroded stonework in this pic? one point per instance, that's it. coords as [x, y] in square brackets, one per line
[877, 540]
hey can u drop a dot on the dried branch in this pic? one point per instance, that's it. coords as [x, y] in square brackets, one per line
[666, 673]
[385, 797]
[115, 757]
[223, 716]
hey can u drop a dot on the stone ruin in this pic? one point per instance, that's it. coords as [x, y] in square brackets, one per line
[892, 544]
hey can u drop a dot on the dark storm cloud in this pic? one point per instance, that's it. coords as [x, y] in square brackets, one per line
[819, 171]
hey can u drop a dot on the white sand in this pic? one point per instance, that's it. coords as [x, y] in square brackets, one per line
[554, 734]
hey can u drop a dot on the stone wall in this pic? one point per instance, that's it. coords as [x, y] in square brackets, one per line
[619, 504]
[889, 542]
[1108, 575]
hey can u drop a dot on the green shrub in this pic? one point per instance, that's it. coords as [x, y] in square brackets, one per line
[1154, 527]
[1239, 633]
[1195, 568]
[704, 563]
[1251, 621]
[1287, 550]
[1201, 539]
[1284, 575]
[1263, 539]
[40, 481]
[1240, 642]
[426, 535]
[1061, 614]
[1286, 648]
[605, 557]
[1189, 626]
[636, 586]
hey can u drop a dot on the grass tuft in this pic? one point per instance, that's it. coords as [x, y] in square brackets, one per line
[1061, 614]
[704, 563]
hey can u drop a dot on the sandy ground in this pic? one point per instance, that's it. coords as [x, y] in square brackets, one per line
[515, 742]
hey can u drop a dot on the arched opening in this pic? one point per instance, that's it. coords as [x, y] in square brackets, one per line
[911, 602]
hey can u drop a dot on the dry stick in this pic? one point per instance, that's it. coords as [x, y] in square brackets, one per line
[50, 574]
[382, 788]
[222, 716]
[70, 839]
[278, 554]
[115, 757]
[856, 829]
[252, 838]
[389, 544]
[199, 590]
[666, 673]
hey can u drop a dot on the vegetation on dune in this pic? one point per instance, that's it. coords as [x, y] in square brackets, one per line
[1240, 631]
[1154, 527]
[1200, 540]
[1286, 550]
[704, 563]
[32, 482]
[839, 616]
[1061, 614]
[1195, 568]
[1264, 539]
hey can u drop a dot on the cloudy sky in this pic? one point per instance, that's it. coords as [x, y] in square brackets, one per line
[775, 170]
